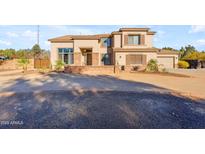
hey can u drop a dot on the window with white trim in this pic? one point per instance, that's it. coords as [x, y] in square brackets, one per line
[66, 55]
[134, 39]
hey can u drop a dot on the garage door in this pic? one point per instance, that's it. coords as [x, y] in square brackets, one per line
[167, 62]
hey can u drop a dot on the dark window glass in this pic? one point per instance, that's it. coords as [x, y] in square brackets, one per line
[60, 50]
[134, 39]
[106, 59]
[106, 42]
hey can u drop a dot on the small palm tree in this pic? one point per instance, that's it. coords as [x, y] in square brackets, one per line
[152, 66]
[59, 65]
[24, 63]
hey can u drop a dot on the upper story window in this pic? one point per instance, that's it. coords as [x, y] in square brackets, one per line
[134, 39]
[105, 42]
[66, 55]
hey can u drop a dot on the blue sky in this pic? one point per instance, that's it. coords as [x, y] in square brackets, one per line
[21, 37]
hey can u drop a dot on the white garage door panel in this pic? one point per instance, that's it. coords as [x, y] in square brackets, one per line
[167, 62]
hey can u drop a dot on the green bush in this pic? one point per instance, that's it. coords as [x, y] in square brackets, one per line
[59, 65]
[152, 66]
[9, 53]
[183, 64]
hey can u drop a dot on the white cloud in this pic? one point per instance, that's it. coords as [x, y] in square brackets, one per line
[30, 34]
[12, 34]
[5, 42]
[200, 42]
[197, 28]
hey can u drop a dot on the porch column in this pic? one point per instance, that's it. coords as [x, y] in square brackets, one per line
[77, 59]
[95, 59]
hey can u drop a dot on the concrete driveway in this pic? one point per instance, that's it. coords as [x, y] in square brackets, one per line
[79, 101]
[18, 82]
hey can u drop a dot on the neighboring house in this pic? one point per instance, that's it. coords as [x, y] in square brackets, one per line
[126, 47]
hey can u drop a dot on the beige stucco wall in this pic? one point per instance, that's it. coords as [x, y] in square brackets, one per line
[96, 48]
[117, 41]
[86, 43]
[76, 45]
[104, 50]
[54, 50]
[94, 44]
[120, 58]
[148, 40]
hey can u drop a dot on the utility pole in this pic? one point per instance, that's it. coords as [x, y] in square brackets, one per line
[38, 34]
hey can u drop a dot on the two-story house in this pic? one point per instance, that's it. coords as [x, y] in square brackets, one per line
[127, 47]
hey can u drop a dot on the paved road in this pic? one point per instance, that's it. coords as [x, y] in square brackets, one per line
[68, 101]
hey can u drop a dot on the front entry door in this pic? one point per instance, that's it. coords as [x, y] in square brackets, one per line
[87, 55]
[89, 58]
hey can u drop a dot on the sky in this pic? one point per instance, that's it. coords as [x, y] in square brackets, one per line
[25, 36]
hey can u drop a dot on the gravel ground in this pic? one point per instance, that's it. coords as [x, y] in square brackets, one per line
[76, 101]
[111, 109]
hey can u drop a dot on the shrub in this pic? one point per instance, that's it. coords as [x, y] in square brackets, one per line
[24, 63]
[164, 70]
[59, 65]
[152, 66]
[1, 62]
[183, 64]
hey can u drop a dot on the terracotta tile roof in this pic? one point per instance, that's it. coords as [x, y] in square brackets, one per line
[116, 32]
[66, 38]
[103, 35]
[134, 29]
[70, 38]
[151, 33]
[161, 52]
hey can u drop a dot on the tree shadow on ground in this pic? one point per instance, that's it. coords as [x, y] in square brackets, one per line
[80, 101]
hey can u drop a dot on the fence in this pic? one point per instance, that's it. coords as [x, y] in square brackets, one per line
[13, 64]
[41, 63]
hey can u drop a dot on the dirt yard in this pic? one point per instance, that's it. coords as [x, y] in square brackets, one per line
[193, 85]
[58, 100]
